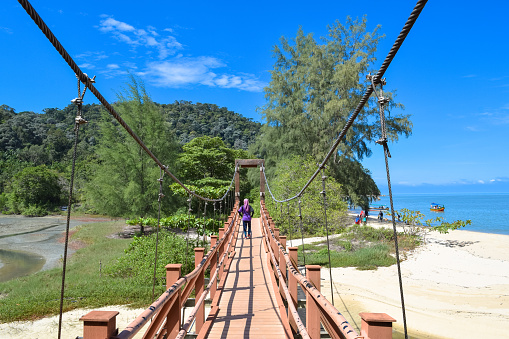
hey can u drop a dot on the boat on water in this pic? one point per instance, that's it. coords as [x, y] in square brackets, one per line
[437, 207]
[378, 208]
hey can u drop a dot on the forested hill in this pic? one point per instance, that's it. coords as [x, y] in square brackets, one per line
[34, 134]
[190, 120]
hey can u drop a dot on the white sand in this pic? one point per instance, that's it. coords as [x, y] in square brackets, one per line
[71, 326]
[456, 286]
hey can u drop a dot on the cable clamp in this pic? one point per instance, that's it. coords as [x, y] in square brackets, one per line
[77, 101]
[79, 120]
[383, 100]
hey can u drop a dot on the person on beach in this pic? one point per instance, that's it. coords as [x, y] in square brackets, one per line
[247, 213]
[381, 216]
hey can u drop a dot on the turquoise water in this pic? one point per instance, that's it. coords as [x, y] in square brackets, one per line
[489, 212]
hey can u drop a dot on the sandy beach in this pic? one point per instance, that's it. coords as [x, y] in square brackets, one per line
[455, 286]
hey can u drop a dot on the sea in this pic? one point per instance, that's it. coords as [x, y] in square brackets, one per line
[489, 212]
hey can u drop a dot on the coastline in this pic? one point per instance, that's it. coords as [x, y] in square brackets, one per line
[455, 286]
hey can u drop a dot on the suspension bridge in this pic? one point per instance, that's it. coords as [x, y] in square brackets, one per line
[256, 288]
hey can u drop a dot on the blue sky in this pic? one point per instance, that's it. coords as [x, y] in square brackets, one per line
[451, 73]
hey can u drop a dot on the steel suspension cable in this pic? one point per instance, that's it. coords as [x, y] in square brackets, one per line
[89, 84]
[383, 141]
[159, 199]
[78, 121]
[302, 236]
[327, 230]
[388, 59]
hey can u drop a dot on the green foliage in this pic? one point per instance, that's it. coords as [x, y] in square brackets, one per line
[414, 223]
[207, 191]
[188, 121]
[137, 263]
[315, 86]
[124, 179]
[38, 295]
[208, 166]
[203, 226]
[366, 258]
[291, 175]
[34, 188]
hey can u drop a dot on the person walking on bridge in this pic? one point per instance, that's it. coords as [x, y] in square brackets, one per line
[247, 213]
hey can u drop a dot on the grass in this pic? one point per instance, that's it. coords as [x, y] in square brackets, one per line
[363, 247]
[38, 295]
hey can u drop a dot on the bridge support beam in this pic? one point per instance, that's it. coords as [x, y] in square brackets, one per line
[312, 309]
[173, 322]
[213, 266]
[199, 288]
[292, 283]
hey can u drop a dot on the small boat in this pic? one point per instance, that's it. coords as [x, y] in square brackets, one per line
[437, 207]
[379, 208]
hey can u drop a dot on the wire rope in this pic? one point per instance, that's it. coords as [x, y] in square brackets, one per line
[327, 230]
[78, 121]
[159, 199]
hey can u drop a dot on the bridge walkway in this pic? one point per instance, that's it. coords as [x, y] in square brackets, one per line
[249, 307]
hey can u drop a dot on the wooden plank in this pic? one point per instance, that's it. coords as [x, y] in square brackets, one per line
[248, 307]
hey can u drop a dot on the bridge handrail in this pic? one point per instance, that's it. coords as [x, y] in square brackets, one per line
[293, 310]
[199, 302]
[137, 324]
[335, 320]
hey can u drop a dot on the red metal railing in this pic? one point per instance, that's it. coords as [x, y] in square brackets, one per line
[166, 310]
[165, 313]
[318, 308]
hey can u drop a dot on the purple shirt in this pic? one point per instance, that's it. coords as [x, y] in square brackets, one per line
[246, 214]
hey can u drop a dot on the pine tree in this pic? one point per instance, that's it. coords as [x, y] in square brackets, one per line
[125, 179]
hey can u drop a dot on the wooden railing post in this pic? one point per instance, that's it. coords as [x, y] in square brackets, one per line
[220, 252]
[173, 273]
[376, 325]
[312, 310]
[292, 284]
[213, 266]
[282, 265]
[99, 324]
[282, 240]
[199, 286]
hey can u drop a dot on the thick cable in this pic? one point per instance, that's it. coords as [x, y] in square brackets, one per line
[388, 59]
[89, 84]
[78, 121]
[383, 142]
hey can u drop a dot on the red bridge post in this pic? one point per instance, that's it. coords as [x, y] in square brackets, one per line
[312, 309]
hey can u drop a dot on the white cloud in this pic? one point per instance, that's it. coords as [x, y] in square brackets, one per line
[180, 72]
[87, 66]
[480, 181]
[137, 37]
[168, 69]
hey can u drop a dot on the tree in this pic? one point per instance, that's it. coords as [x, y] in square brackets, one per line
[208, 164]
[290, 176]
[35, 187]
[314, 88]
[124, 181]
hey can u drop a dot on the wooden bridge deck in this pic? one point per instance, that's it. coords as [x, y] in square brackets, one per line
[248, 307]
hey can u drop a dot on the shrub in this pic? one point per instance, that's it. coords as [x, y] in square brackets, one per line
[138, 261]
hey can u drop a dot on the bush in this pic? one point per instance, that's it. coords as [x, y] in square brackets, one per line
[34, 211]
[138, 261]
[203, 226]
[35, 186]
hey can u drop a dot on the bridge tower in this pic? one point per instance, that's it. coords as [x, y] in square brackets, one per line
[240, 163]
